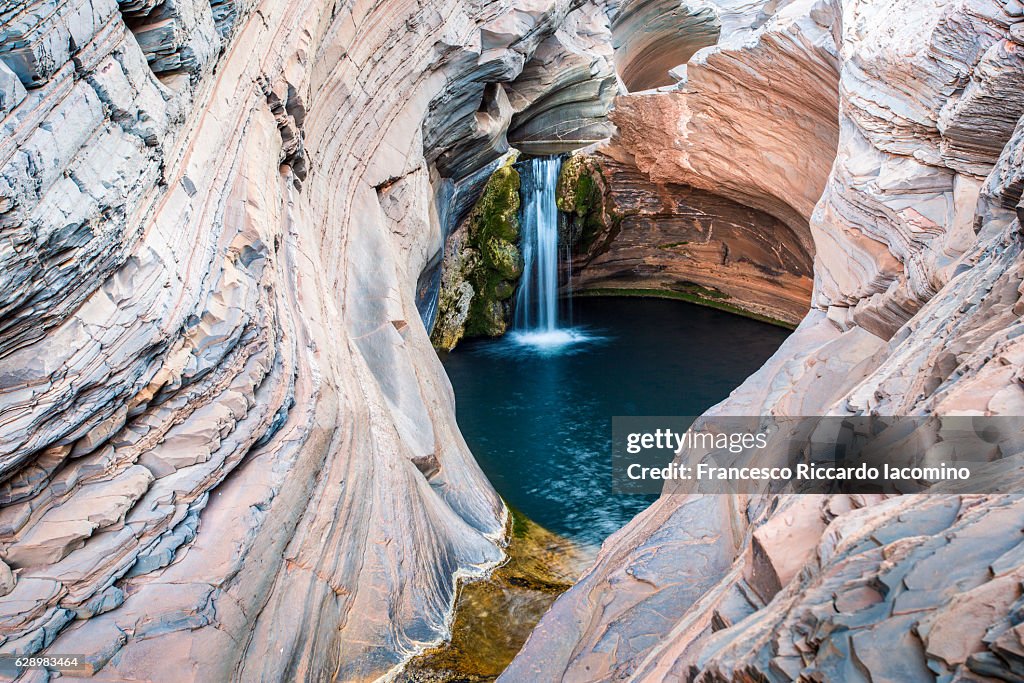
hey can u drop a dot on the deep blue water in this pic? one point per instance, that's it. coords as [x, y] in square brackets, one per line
[538, 416]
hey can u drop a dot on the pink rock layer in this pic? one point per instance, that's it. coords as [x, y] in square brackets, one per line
[914, 213]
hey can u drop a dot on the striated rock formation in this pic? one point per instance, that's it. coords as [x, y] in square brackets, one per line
[631, 234]
[753, 119]
[919, 278]
[653, 39]
[554, 82]
[226, 441]
[226, 444]
[562, 97]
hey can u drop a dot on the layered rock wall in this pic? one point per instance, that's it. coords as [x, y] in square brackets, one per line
[653, 39]
[770, 86]
[917, 310]
[225, 439]
[226, 442]
[632, 235]
[562, 97]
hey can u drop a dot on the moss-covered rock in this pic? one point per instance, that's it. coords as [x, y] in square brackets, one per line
[503, 290]
[503, 258]
[487, 318]
[456, 292]
[494, 232]
[495, 214]
[580, 195]
[495, 615]
[482, 265]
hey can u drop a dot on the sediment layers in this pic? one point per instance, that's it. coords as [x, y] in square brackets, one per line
[630, 233]
[227, 448]
[562, 97]
[654, 38]
[917, 309]
[769, 85]
[226, 442]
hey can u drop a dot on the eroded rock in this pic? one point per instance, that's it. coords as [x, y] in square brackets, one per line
[919, 266]
[225, 438]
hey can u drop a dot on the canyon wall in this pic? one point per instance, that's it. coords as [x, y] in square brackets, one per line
[227, 448]
[706, 222]
[917, 310]
[226, 444]
[631, 235]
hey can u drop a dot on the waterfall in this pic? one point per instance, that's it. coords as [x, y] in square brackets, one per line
[536, 304]
[536, 325]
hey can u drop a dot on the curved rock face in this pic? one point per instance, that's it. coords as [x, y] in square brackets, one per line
[675, 240]
[716, 177]
[562, 97]
[919, 278]
[225, 440]
[770, 85]
[226, 443]
[655, 38]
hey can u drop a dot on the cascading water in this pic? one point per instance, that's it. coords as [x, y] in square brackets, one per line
[537, 299]
[536, 320]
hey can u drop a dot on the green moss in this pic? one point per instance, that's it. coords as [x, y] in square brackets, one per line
[580, 194]
[588, 196]
[495, 213]
[693, 297]
[487, 318]
[688, 287]
[494, 616]
[444, 338]
[482, 265]
[568, 178]
[503, 258]
[502, 290]
[493, 233]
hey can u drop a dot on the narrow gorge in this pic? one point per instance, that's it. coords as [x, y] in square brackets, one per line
[250, 246]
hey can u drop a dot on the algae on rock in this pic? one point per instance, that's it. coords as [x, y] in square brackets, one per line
[580, 195]
[540, 566]
[482, 265]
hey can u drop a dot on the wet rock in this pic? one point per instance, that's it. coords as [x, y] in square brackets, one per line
[482, 265]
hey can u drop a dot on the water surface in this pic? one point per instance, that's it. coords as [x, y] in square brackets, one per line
[537, 416]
